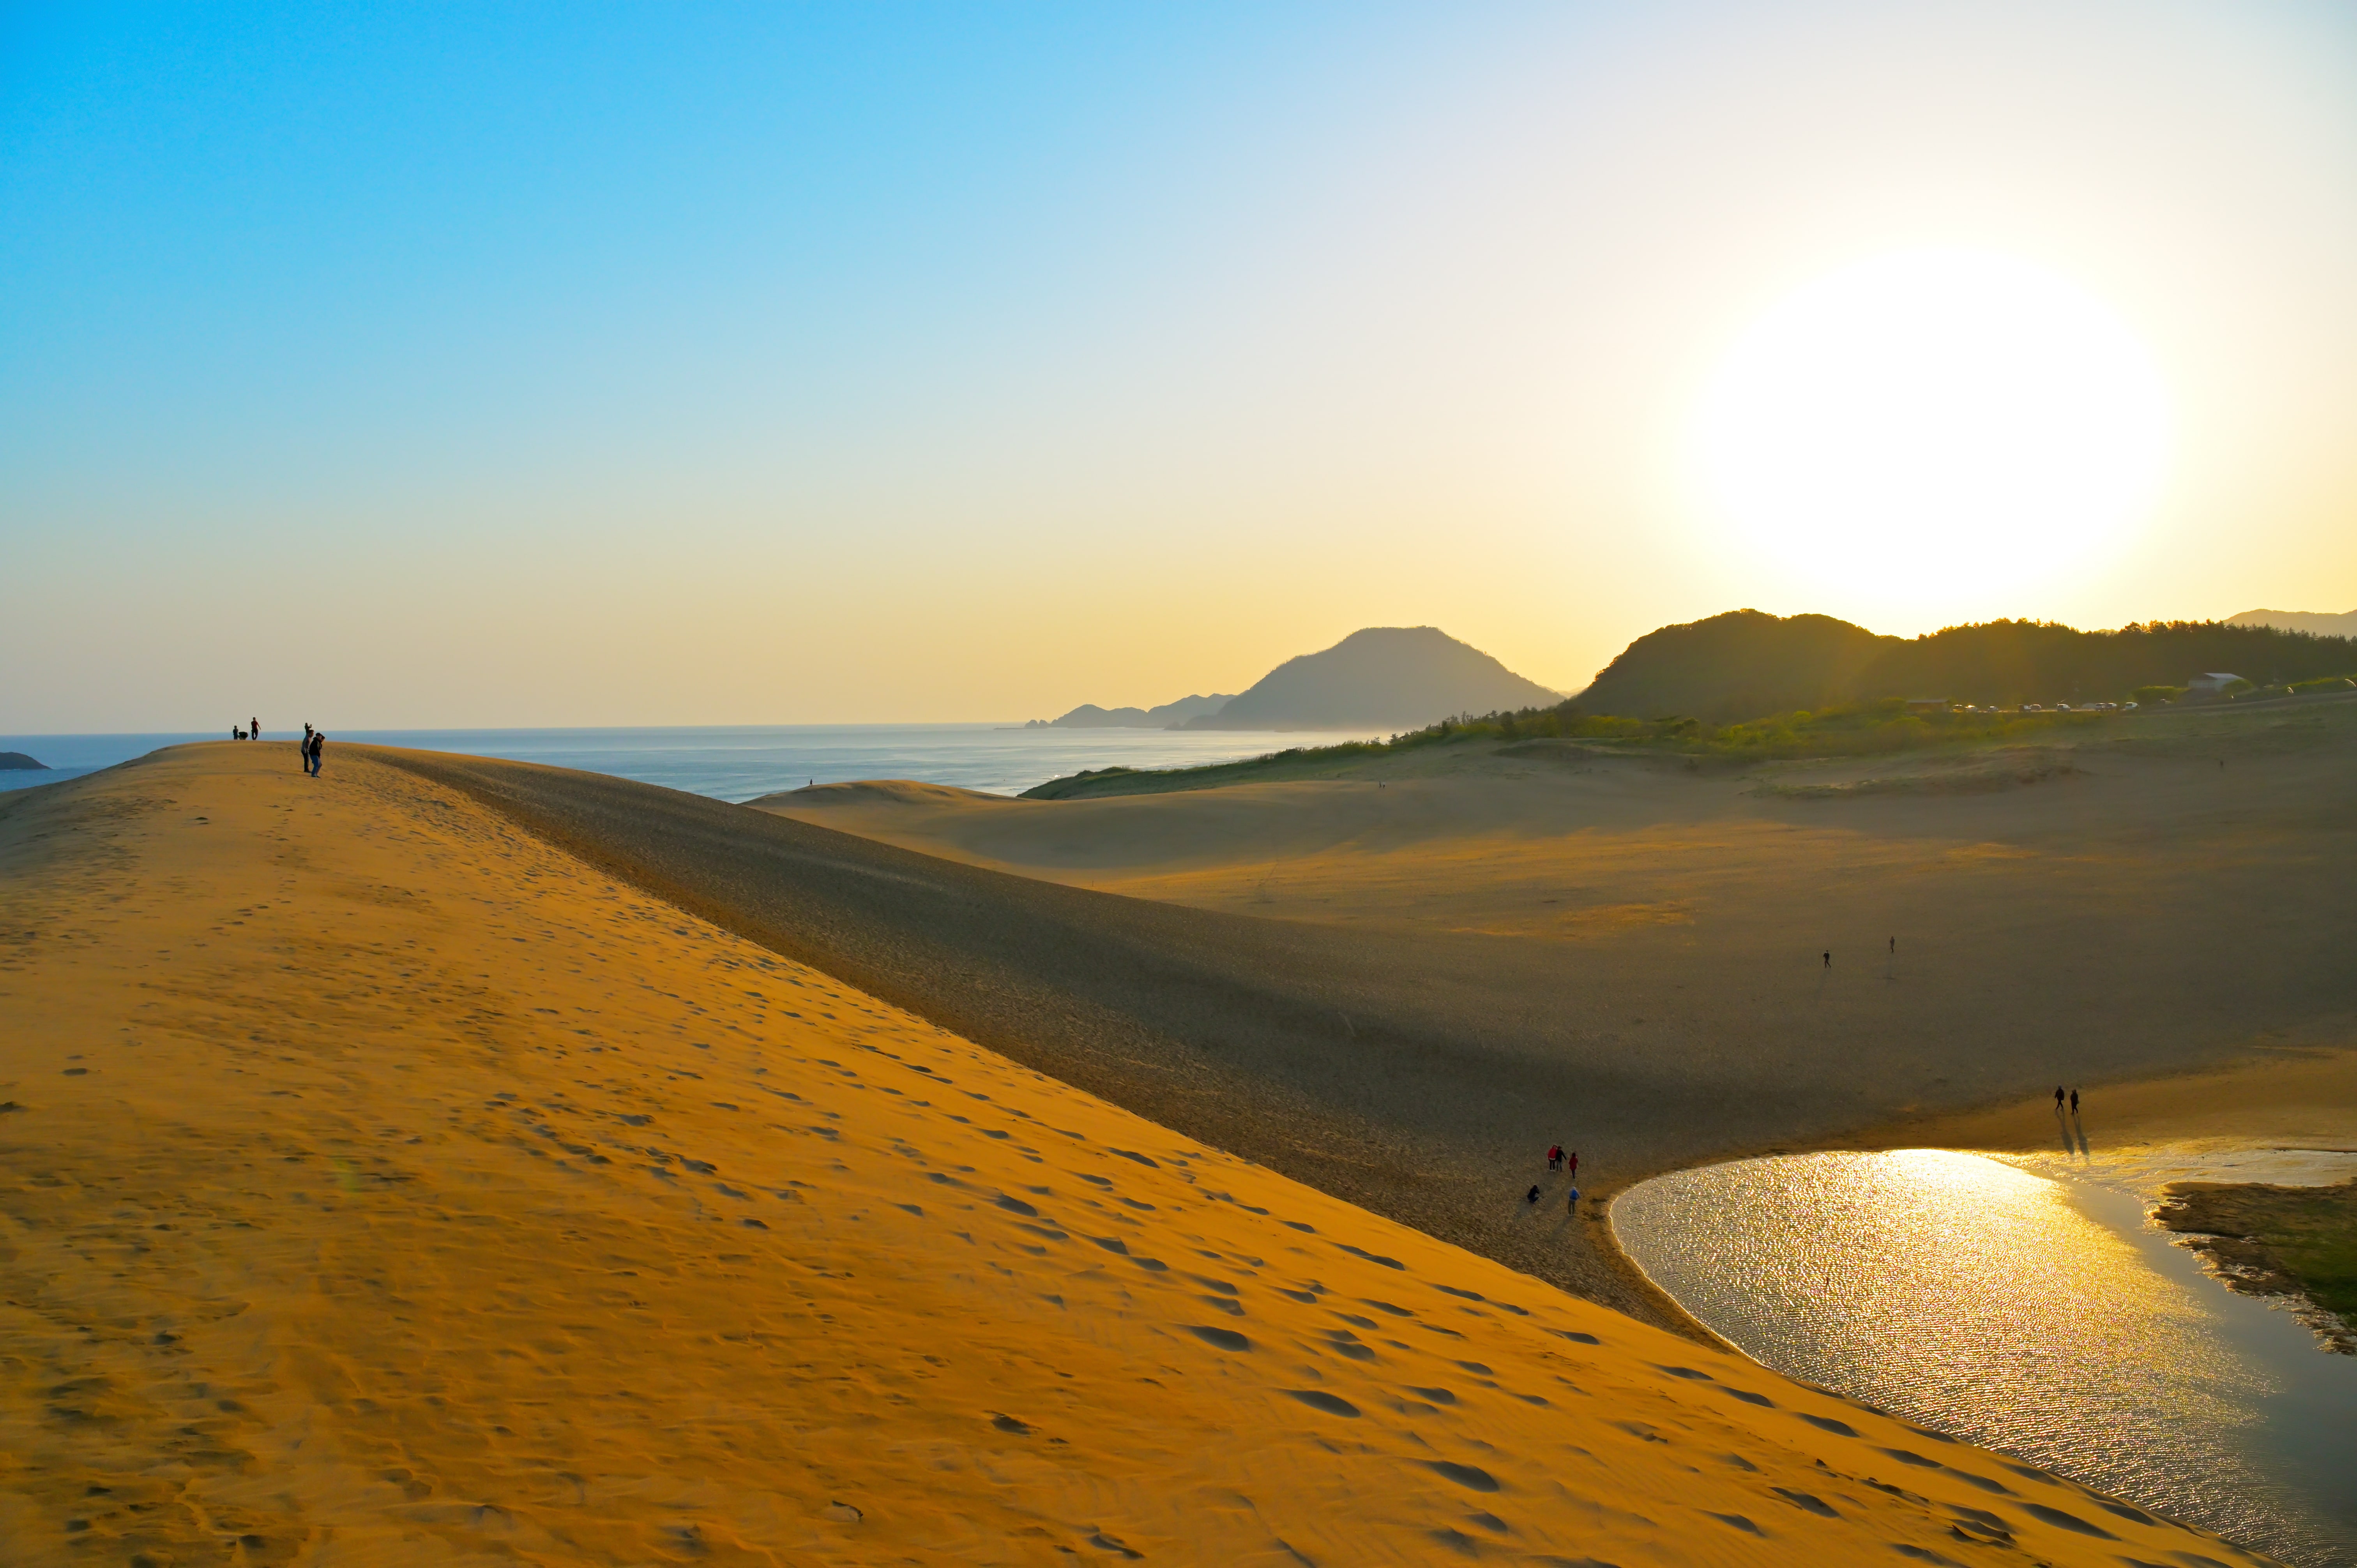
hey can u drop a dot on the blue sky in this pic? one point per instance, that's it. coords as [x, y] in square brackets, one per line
[451, 365]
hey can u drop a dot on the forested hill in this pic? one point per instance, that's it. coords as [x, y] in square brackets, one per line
[1745, 664]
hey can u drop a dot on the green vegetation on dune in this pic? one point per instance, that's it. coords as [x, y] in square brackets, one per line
[1856, 729]
[2276, 1240]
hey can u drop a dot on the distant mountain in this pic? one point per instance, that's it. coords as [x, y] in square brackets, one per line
[2308, 621]
[18, 762]
[1739, 665]
[1169, 715]
[1385, 677]
[1745, 665]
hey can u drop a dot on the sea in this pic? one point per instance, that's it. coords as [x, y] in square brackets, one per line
[733, 762]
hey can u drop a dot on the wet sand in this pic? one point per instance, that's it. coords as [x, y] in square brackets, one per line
[379, 1183]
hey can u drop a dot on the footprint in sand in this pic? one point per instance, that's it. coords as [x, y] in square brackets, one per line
[2069, 1521]
[1471, 1476]
[1332, 1404]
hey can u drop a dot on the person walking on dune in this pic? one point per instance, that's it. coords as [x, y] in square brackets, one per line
[1571, 1204]
[1532, 1196]
[1571, 1163]
[253, 729]
[1829, 957]
[2074, 1102]
[317, 748]
[303, 747]
[2057, 1099]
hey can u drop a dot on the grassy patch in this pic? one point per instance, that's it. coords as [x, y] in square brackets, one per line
[2276, 1240]
[1855, 729]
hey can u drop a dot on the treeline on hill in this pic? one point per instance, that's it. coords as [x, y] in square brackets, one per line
[1843, 728]
[1744, 664]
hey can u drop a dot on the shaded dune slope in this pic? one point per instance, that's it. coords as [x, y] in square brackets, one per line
[1238, 1031]
[1672, 1010]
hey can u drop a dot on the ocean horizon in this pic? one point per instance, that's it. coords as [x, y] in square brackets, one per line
[742, 762]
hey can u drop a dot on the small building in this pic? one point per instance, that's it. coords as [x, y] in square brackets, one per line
[2213, 684]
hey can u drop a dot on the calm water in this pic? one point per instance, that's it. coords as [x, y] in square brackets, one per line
[2043, 1317]
[735, 763]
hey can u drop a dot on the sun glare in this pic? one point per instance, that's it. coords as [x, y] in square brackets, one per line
[1937, 416]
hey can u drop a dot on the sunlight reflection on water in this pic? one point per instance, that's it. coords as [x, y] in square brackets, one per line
[1986, 1302]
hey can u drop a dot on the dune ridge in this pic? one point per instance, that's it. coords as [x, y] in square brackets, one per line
[385, 1184]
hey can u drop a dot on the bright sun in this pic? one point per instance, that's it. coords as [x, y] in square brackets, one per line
[1935, 415]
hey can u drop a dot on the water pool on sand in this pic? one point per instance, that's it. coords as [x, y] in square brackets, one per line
[2043, 1317]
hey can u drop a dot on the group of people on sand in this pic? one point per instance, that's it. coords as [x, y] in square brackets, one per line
[313, 744]
[1557, 1160]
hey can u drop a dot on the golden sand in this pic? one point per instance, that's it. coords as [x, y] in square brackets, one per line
[379, 1185]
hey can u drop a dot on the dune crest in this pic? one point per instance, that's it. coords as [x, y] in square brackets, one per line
[381, 1181]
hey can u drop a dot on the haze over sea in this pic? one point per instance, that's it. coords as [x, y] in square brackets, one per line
[740, 762]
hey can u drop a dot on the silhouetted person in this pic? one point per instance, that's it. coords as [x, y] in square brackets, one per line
[1829, 960]
[235, 733]
[1531, 1197]
[1894, 947]
[2057, 1099]
[2074, 1102]
[253, 729]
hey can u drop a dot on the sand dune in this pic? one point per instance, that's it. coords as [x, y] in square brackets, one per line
[383, 1185]
[2163, 901]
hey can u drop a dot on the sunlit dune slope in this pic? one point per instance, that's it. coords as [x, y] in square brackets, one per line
[379, 1185]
